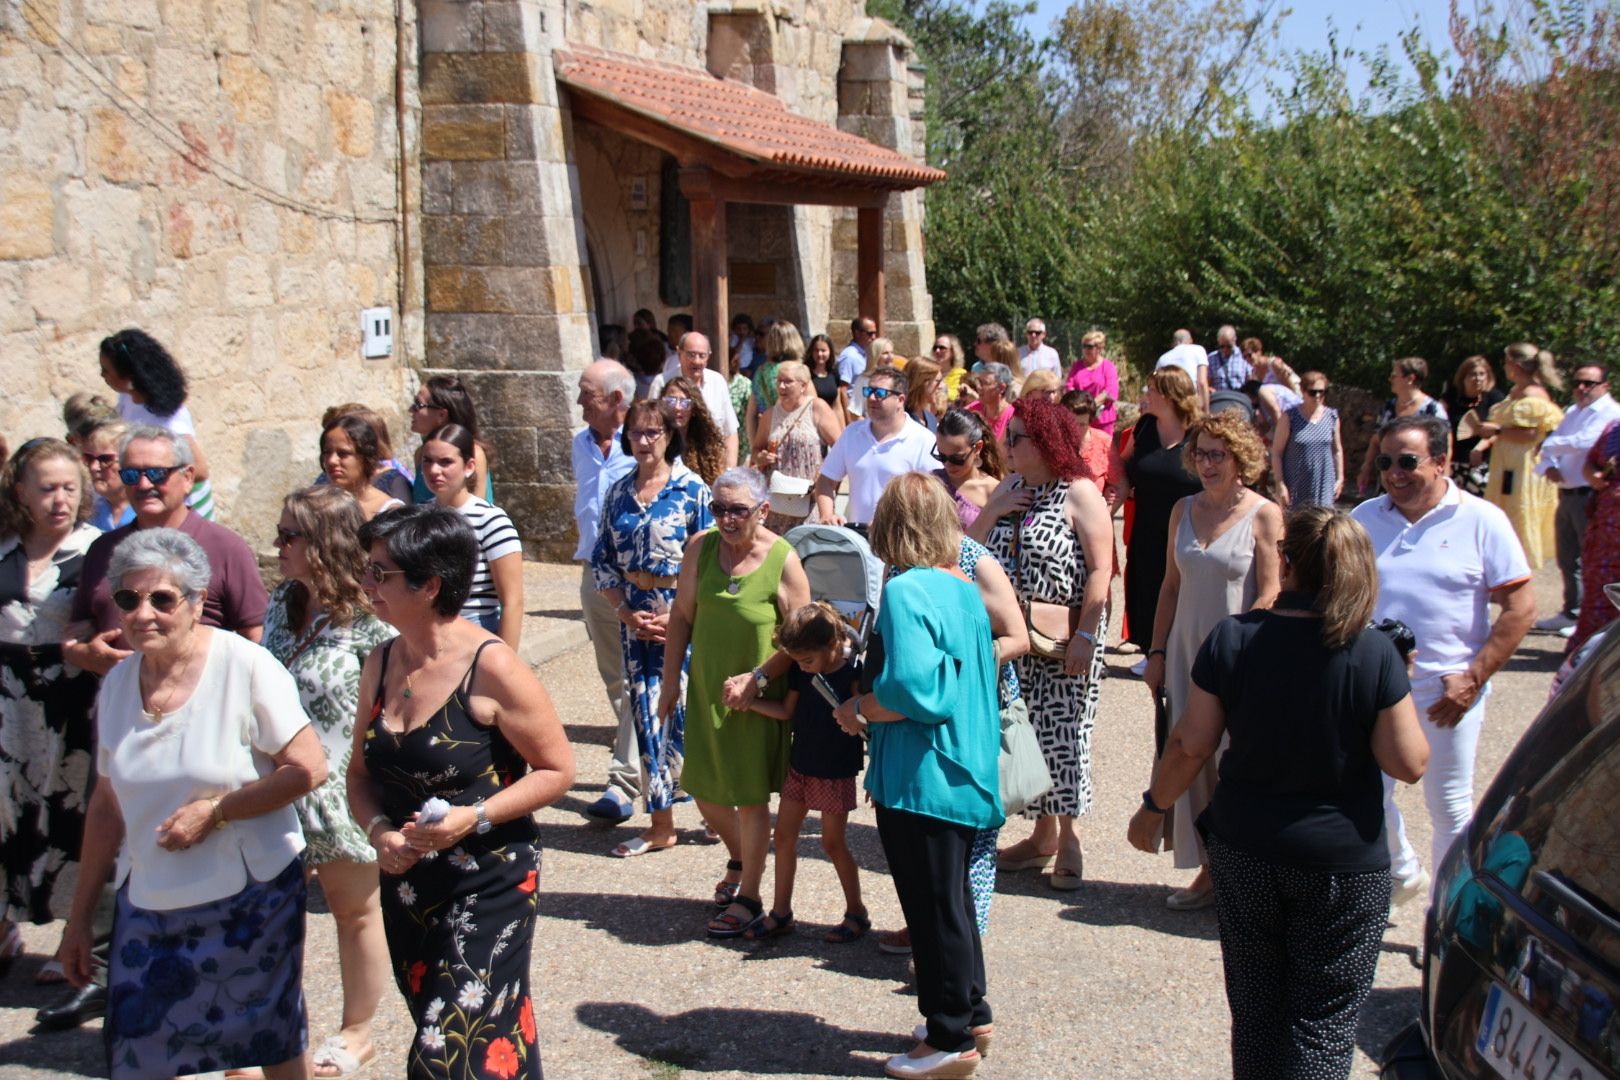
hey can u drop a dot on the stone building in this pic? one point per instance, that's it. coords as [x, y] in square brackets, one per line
[242, 179]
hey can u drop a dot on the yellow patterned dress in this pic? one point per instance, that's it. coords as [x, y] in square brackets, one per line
[1528, 500]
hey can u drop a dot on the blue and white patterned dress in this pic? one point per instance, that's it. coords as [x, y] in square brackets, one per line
[637, 539]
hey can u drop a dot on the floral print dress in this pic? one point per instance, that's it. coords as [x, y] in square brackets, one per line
[46, 730]
[460, 923]
[325, 660]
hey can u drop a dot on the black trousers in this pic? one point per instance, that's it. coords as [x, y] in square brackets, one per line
[928, 859]
[1300, 948]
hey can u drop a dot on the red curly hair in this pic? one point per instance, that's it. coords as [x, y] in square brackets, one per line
[1056, 434]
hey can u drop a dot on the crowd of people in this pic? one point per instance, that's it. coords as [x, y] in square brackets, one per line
[200, 744]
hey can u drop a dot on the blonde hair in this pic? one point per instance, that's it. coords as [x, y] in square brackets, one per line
[1094, 337]
[784, 343]
[922, 374]
[794, 370]
[1230, 427]
[1039, 382]
[1525, 356]
[1176, 386]
[876, 349]
[1330, 556]
[812, 628]
[14, 518]
[1468, 367]
[1004, 352]
[84, 411]
[915, 524]
[330, 519]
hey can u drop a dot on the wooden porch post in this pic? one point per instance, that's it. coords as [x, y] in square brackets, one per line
[869, 264]
[710, 284]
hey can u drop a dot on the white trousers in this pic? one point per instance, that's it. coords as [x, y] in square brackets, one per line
[1448, 786]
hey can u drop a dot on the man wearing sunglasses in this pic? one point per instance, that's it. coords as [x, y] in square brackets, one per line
[873, 451]
[1562, 455]
[1444, 556]
[1035, 354]
[851, 362]
[156, 470]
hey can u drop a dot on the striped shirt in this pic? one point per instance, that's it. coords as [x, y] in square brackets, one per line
[497, 538]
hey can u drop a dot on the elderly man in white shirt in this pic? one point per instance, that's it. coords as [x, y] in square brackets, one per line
[1037, 355]
[716, 391]
[1562, 454]
[1444, 556]
[1191, 359]
[873, 451]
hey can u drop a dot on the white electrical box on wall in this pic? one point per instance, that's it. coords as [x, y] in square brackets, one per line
[376, 332]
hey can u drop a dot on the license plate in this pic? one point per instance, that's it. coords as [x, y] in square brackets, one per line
[1518, 1045]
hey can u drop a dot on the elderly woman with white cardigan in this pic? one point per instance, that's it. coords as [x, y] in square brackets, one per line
[203, 747]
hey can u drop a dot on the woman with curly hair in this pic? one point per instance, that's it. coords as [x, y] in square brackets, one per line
[320, 626]
[45, 705]
[152, 393]
[351, 455]
[1221, 560]
[705, 447]
[1052, 532]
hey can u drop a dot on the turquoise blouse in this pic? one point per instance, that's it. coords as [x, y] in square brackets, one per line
[939, 671]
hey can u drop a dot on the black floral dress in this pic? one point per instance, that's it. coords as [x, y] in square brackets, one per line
[460, 922]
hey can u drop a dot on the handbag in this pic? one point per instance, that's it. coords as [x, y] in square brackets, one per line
[1050, 626]
[1022, 766]
[789, 495]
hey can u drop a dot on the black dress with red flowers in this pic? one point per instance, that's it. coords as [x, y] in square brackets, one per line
[460, 922]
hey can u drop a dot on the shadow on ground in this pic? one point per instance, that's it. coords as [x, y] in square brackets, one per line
[1385, 1013]
[78, 1051]
[1111, 903]
[747, 1041]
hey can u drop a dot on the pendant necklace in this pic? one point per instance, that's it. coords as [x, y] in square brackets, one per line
[735, 585]
[409, 675]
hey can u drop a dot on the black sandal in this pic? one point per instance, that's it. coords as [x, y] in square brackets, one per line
[769, 925]
[727, 925]
[726, 891]
[844, 932]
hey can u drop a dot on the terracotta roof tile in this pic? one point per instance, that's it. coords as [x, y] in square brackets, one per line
[735, 116]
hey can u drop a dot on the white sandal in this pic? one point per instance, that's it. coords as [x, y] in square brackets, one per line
[334, 1055]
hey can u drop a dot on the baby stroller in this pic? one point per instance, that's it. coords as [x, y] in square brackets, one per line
[843, 572]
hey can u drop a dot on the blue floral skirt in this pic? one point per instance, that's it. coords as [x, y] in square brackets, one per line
[212, 987]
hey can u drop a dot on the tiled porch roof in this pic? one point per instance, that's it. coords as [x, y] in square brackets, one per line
[736, 118]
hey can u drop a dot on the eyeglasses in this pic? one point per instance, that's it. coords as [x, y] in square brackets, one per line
[1091, 345]
[376, 574]
[1016, 437]
[418, 406]
[101, 461]
[1407, 462]
[955, 459]
[881, 393]
[942, 348]
[1214, 457]
[1587, 384]
[647, 435]
[730, 510]
[1316, 391]
[694, 354]
[163, 601]
[287, 536]
[157, 475]
[679, 404]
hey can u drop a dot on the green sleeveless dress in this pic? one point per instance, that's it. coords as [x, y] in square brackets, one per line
[733, 758]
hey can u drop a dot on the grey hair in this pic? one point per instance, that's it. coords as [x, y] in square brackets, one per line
[1182, 337]
[616, 379]
[1227, 333]
[1002, 372]
[182, 449]
[741, 477]
[1036, 324]
[167, 550]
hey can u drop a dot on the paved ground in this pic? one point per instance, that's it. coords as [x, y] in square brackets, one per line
[1103, 982]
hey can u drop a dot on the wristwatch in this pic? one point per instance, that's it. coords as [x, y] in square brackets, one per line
[860, 715]
[1149, 805]
[484, 824]
[761, 680]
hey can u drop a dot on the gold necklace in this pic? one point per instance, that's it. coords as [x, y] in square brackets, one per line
[157, 712]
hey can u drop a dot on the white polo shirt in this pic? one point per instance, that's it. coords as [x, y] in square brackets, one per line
[716, 393]
[1437, 574]
[1041, 358]
[1188, 358]
[870, 464]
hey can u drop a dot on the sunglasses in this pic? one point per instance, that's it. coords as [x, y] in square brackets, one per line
[954, 459]
[101, 461]
[679, 404]
[1316, 391]
[287, 536]
[1093, 345]
[375, 574]
[1587, 384]
[1407, 462]
[157, 475]
[163, 601]
[942, 348]
[881, 393]
[730, 510]
[418, 406]
[1214, 457]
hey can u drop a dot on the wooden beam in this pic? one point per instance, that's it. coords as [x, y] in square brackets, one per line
[710, 285]
[870, 291]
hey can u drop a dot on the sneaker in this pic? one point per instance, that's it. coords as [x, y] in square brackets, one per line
[1553, 623]
[1139, 667]
[608, 810]
[897, 943]
[1411, 889]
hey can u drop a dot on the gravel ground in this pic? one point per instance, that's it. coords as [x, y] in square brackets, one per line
[1104, 981]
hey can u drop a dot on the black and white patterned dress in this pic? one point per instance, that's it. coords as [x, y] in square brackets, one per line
[1051, 568]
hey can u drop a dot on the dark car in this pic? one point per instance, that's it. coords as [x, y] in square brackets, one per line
[1521, 967]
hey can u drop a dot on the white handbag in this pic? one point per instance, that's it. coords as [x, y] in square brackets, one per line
[790, 495]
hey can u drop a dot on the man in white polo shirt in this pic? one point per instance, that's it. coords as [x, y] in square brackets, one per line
[1191, 359]
[694, 356]
[1037, 355]
[1562, 455]
[1444, 556]
[873, 451]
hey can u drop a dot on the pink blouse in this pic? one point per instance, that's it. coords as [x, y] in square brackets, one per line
[1099, 380]
[998, 426]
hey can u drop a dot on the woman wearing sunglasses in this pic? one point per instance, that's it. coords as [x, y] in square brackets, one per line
[705, 452]
[495, 601]
[98, 449]
[444, 400]
[1221, 560]
[1307, 450]
[970, 462]
[45, 706]
[320, 626]
[202, 749]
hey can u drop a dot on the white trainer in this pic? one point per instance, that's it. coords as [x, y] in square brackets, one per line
[1554, 623]
[1413, 888]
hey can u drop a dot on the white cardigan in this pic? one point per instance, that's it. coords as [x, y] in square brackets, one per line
[245, 709]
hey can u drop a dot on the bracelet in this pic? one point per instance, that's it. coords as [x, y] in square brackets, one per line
[218, 803]
[1157, 652]
[372, 824]
[1086, 636]
[1149, 805]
